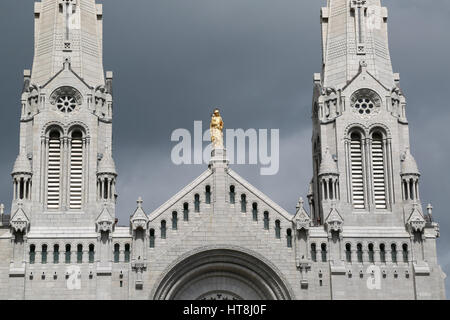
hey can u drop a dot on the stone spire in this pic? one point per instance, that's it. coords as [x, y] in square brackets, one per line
[409, 164]
[68, 29]
[355, 31]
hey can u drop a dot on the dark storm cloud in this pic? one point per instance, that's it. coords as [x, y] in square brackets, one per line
[174, 60]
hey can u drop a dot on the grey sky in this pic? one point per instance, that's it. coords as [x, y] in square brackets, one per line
[174, 60]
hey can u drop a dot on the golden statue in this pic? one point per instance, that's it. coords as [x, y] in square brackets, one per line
[216, 129]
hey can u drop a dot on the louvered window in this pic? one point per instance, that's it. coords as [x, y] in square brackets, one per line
[357, 171]
[54, 170]
[379, 181]
[76, 170]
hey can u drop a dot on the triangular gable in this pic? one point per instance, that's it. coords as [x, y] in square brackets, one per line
[260, 195]
[66, 69]
[19, 221]
[301, 218]
[363, 71]
[180, 195]
[139, 219]
[416, 221]
[334, 221]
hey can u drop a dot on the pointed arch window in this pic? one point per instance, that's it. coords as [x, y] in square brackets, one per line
[382, 253]
[371, 253]
[243, 203]
[197, 203]
[357, 171]
[266, 220]
[289, 238]
[56, 254]
[232, 195]
[67, 253]
[394, 253]
[32, 253]
[80, 253]
[405, 253]
[127, 252]
[208, 194]
[348, 252]
[76, 169]
[54, 170]
[359, 252]
[313, 252]
[163, 229]
[44, 254]
[378, 171]
[323, 252]
[91, 253]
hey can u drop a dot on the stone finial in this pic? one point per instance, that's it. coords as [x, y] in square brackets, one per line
[2, 209]
[139, 202]
[430, 211]
[300, 203]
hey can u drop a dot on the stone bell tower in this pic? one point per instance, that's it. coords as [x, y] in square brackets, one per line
[364, 173]
[64, 174]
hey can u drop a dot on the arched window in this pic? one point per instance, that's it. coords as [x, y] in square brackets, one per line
[152, 238]
[208, 194]
[80, 253]
[44, 254]
[186, 211]
[54, 170]
[255, 211]
[277, 229]
[76, 169]
[359, 252]
[163, 229]
[323, 252]
[32, 253]
[116, 253]
[382, 253]
[243, 203]
[313, 252]
[266, 220]
[394, 253]
[405, 253]
[348, 252]
[127, 253]
[67, 253]
[356, 159]
[197, 203]
[371, 253]
[289, 238]
[91, 253]
[378, 171]
[56, 253]
[232, 195]
[174, 220]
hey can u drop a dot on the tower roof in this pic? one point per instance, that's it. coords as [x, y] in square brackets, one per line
[409, 164]
[328, 165]
[22, 164]
[68, 29]
[107, 164]
[355, 31]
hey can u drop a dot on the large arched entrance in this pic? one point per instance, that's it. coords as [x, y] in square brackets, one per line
[222, 274]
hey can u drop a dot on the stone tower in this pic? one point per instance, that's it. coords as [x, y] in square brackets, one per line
[364, 174]
[65, 175]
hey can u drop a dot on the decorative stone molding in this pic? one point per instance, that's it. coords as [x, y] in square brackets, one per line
[416, 222]
[301, 220]
[19, 222]
[105, 221]
[334, 221]
[139, 219]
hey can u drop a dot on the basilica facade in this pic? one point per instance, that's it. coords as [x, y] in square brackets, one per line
[362, 232]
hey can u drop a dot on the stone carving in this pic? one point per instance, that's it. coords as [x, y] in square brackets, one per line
[139, 219]
[416, 222]
[105, 222]
[19, 222]
[334, 221]
[301, 219]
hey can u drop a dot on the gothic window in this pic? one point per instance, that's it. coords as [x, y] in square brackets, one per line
[66, 99]
[186, 211]
[365, 102]
[394, 253]
[348, 252]
[323, 252]
[313, 252]
[174, 220]
[378, 170]
[382, 253]
[243, 203]
[54, 170]
[356, 159]
[127, 253]
[405, 253]
[232, 195]
[116, 253]
[32, 253]
[255, 211]
[266, 220]
[44, 254]
[197, 203]
[208, 194]
[359, 252]
[56, 253]
[289, 238]
[67, 253]
[80, 253]
[152, 238]
[371, 253]
[91, 253]
[277, 229]
[76, 169]
[163, 229]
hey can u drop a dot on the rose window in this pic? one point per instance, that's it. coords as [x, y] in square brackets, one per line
[365, 102]
[66, 104]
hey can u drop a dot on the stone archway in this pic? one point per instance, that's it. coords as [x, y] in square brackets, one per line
[222, 274]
